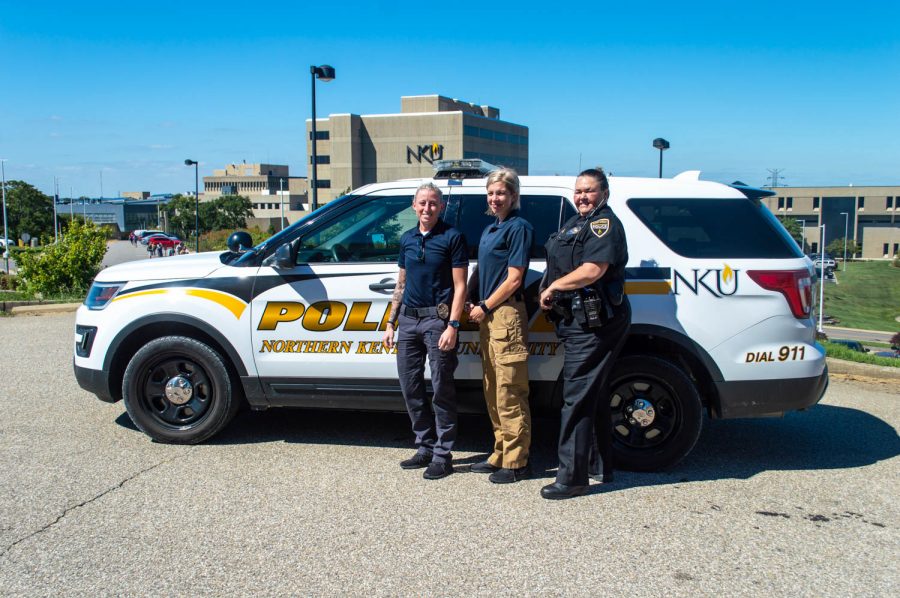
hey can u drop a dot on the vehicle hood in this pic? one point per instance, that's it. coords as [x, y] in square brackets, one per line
[194, 265]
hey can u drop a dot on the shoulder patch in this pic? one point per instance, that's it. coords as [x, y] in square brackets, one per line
[600, 227]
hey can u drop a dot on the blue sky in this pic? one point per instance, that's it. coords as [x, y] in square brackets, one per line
[737, 88]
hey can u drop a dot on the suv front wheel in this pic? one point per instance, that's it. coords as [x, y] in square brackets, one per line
[177, 390]
[656, 413]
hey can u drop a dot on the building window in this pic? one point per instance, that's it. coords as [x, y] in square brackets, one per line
[862, 204]
[889, 203]
[887, 246]
[470, 131]
[814, 247]
[321, 135]
[815, 203]
[790, 203]
[896, 248]
[321, 159]
[323, 184]
[780, 203]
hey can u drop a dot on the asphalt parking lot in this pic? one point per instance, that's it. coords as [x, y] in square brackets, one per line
[309, 503]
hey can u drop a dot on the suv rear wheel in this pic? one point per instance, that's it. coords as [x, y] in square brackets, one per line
[177, 390]
[656, 413]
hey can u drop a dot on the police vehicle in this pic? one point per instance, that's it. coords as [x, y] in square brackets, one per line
[721, 298]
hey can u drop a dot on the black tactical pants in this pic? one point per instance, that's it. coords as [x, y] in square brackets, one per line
[588, 360]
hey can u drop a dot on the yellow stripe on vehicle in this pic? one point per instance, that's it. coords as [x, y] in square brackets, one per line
[655, 287]
[140, 294]
[229, 302]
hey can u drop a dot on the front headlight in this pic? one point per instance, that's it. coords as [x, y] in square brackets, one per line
[101, 293]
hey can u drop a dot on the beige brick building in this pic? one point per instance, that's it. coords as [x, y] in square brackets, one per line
[872, 216]
[354, 150]
[270, 188]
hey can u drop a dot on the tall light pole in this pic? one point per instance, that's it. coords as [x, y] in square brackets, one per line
[822, 278]
[5, 231]
[660, 144]
[325, 73]
[846, 220]
[196, 166]
[281, 199]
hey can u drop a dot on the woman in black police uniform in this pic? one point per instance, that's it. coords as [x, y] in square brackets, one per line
[583, 288]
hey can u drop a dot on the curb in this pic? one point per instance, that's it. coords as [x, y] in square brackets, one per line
[22, 308]
[866, 370]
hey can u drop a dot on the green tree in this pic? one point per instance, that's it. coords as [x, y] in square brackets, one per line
[792, 226]
[228, 212]
[836, 248]
[28, 210]
[66, 267]
[180, 215]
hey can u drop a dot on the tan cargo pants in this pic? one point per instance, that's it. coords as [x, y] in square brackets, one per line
[504, 358]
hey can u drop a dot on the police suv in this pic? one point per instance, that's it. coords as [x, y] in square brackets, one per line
[721, 298]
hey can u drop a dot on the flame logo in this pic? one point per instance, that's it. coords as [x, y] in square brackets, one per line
[727, 273]
[434, 148]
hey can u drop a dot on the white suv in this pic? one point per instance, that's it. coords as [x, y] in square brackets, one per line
[721, 298]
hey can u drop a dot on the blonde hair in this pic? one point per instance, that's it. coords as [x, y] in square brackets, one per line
[510, 180]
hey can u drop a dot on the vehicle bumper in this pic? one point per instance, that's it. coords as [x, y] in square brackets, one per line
[94, 381]
[763, 398]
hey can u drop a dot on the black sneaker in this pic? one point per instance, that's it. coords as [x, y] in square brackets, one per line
[508, 476]
[436, 471]
[417, 461]
[483, 467]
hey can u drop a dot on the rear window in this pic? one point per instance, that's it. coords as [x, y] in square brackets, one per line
[715, 228]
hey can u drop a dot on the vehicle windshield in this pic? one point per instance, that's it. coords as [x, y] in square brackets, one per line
[290, 233]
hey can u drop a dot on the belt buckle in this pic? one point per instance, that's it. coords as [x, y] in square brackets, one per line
[443, 311]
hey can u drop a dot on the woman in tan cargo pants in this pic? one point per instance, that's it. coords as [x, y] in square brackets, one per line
[503, 258]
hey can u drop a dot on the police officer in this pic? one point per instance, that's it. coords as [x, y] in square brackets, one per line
[583, 289]
[428, 303]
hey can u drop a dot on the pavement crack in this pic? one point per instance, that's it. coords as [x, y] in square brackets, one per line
[68, 510]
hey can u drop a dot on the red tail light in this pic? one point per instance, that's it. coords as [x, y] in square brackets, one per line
[795, 285]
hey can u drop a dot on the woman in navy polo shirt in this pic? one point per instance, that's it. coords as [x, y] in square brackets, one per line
[503, 258]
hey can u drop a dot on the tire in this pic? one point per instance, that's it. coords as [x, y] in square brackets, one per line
[652, 397]
[203, 404]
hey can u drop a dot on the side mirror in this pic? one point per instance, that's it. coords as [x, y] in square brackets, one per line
[240, 241]
[283, 258]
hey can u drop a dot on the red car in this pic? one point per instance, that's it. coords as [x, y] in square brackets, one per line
[164, 240]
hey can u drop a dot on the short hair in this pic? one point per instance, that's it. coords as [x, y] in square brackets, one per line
[597, 174]
[429, 187]
[510, 179]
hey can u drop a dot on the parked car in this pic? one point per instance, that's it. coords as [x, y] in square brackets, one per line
[818, 258]
[891, 354]
[162, 239]
[7, 243]
[850, 344]
[145, 235]
[721, 316]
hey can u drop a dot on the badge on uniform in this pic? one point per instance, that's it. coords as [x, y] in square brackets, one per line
[599, 227]
[443, 311]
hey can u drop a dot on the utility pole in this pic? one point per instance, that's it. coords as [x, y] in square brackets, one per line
[55, 203]
[774, 175]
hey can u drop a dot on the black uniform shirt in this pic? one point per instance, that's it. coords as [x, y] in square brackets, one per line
[598, 237]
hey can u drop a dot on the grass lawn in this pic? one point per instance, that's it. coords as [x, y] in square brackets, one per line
[842, 352]
[867, 296]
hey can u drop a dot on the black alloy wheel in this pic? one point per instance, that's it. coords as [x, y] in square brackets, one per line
[178, 390]
[655, 413]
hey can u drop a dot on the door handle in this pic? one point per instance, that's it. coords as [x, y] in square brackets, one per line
[386, 286]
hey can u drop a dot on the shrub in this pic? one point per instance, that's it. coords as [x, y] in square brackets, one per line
[67, 267]
[895, 342]
[8, 282]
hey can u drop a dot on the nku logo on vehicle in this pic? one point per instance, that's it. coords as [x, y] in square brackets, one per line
[718, 282]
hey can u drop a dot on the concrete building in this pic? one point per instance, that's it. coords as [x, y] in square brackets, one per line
[270, 188]
[872, 216]
[136, 194]
[354, 150]
[123, 214]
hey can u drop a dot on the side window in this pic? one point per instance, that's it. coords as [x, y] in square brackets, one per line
[543, 212]
[370, 232]
[473, 219]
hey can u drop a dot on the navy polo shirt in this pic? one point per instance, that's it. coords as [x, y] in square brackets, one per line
[503, 245]
[429, 261]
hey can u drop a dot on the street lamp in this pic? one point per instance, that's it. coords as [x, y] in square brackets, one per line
[660, 144]
[846, 220]
[196, 166]
[821, 277]
[325, 73]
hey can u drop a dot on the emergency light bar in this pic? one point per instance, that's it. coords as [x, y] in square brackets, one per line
[462, 169]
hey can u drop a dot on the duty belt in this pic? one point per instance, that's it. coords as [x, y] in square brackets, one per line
[424, 312]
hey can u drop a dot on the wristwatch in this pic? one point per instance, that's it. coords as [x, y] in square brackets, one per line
[453, 323]
[484, 307]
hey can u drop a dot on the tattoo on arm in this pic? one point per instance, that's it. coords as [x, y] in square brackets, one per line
[397, 297]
